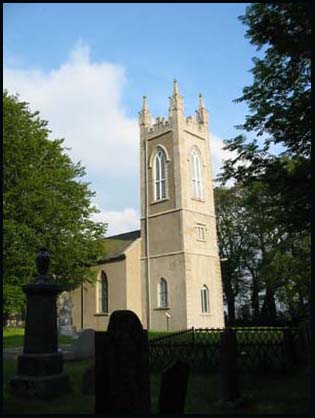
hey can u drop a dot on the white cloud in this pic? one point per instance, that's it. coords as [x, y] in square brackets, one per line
[81, 101]
[218, 155]
[119, 221]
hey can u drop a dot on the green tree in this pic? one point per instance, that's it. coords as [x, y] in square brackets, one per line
[45, 203]
[279, 101]
[263, 262]
[277, 185]
[233, 244]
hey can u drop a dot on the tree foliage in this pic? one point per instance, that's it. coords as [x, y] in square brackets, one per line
[233, 244]
[263, 264]
[276, 186]
[279, 100]
[280, 97]
[45, 203]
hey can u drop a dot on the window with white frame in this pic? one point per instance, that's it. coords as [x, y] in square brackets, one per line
[205, 306]
[163, 296]
[201, 232]
[160, 175]
[196, 175]
[103, 294]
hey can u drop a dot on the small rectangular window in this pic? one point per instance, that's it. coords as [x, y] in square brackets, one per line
[201, 232]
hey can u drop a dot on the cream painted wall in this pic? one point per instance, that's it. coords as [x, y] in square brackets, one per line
[133, 277]
[171, 268]
[202, 270]
[93, 318]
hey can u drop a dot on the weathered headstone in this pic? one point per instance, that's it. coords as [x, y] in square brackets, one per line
[122, 383]
[229, 366]
[173, 389]
[40, 367]
[83, 345]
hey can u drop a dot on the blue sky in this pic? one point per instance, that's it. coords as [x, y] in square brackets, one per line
[86, 66]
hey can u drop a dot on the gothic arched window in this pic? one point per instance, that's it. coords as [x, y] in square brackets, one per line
[205, 306]
[160, 175]
[196, 175]
[163, 297]
[103, 293]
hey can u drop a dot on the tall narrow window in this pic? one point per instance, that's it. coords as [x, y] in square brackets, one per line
[103, 293]
[163, 302]
[205, 307]
[160, 175]
[196, 175]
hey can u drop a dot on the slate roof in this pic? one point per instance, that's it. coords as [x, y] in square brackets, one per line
[116, 245]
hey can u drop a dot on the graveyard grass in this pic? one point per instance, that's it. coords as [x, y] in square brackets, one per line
[14, 337]
[266, 395]
[279, 394]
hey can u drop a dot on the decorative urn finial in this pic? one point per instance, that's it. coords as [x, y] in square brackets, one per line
[42, 263]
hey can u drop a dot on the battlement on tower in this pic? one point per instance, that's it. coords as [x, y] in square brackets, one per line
[197, 124]
[162, 125]
[193, 124]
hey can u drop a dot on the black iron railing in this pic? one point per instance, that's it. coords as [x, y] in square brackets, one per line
[268, 349]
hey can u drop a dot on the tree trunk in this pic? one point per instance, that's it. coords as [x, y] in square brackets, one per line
[231, 309]
[268, 312]
[255, 300]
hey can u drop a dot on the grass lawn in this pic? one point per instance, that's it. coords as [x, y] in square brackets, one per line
[274, 394]
[14, 337]
[266, 395]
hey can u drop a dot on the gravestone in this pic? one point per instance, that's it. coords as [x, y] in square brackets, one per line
[229, 366]
[122, 383]
[40, 367]
[83, 344]
[173, 389]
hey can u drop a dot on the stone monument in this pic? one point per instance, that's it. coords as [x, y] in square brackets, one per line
[40, 367]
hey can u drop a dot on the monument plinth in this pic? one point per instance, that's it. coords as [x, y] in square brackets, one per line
[40, 367]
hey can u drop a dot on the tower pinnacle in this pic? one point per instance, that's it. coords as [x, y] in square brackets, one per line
[175, 88]
[202, 113]
[201, 103]
[176, 101]
[145, 104]
[144, 115]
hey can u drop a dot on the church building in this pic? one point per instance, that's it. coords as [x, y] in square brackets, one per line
[168, 273]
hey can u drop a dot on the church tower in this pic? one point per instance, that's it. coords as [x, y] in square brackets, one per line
[180, 266]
